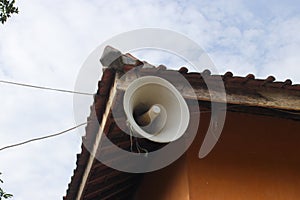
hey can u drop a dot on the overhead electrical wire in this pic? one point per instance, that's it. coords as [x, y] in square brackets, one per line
[44, 88]
[41, 138]
[48, 136]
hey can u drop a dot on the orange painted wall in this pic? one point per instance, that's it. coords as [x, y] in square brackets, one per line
[257, 157]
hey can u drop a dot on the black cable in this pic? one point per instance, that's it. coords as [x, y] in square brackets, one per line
[41, 138]
[44, 88]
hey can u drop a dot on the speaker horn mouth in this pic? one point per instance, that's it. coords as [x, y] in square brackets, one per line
[153, 120]
[155, 109]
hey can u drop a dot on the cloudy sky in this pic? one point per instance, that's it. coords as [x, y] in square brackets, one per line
[48, 41]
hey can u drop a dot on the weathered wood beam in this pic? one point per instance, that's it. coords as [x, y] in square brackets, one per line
[258, 96]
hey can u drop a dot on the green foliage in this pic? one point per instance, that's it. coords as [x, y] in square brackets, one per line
[4, 195]
[7, 8]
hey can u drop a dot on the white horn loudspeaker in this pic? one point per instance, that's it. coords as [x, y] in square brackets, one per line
[155, 109]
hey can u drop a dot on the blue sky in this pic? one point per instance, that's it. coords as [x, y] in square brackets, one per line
[48, 41]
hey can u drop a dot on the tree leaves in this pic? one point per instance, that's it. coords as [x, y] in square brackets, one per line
[7, 8]
[4, 195]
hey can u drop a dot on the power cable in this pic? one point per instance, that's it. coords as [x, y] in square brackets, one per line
[41, 138]
[44, 88]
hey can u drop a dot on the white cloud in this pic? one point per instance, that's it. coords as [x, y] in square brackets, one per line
[49, 40]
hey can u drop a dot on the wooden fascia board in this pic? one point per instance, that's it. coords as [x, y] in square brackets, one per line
[266, 97]
[97, 141]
